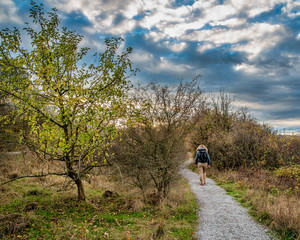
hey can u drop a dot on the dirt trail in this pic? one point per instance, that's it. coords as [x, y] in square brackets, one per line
[220, 216]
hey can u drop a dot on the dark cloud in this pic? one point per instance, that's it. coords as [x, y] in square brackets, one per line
[221, 55]
[179, 3]
[141, 15]
[77, 19]
[286, 113]
[119, 18]
[195, 14]
[138, 40]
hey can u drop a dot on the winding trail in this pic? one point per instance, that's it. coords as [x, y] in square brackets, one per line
[221, 217]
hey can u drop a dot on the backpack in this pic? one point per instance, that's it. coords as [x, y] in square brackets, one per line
[202, 156]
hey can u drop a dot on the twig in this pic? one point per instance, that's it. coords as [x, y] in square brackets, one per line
[32, 176]
[118, 224]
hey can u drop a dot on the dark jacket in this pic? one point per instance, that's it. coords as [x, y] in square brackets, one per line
[197, 154]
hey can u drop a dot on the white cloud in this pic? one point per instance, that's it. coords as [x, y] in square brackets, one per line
[261, 37]
[258, 106]
[176, 47]
[155, 36]
[8, 12]
[258, 37]
[204, 4]
[205, 46]
[167, 66]
[161, 65]
[284, 123]
[244, 67]
[103, 13]
[141, 56]
[219, 12]
[132, 9]
[154, 4]
[153, 19]
[166, 22]
[290, 6]
[253, 7]
[232, 22]
[175, 22]
[165, 18]
[250, 32]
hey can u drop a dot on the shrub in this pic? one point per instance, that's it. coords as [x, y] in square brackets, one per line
[151, 153]
[291, 172]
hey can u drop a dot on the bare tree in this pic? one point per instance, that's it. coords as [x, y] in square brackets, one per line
[153, 151]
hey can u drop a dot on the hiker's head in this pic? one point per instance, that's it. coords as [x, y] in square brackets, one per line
[202, 146]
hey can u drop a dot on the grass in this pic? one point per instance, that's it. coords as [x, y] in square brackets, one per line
[123, 216]
[62, 217]
[274, 205]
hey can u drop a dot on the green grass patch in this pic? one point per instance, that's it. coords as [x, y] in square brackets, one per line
[60, 216]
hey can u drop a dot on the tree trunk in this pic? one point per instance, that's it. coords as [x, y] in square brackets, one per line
[80, 189]
[74, 176]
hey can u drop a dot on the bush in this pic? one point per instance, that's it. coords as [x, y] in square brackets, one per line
[236, 140]
[291, 172]
[152, 151]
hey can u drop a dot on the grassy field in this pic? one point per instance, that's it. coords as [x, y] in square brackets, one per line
[118, 214]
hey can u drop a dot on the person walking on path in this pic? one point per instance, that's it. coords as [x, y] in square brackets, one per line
[220, 216]
[202, 161]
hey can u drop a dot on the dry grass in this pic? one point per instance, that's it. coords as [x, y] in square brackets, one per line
[122, 216]
[273, 201]
[281, 211]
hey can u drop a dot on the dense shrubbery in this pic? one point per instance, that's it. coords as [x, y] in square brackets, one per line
[235, 139]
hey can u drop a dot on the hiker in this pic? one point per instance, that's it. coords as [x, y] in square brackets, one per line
[202, 161]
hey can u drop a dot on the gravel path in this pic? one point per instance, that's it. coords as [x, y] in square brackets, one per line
[221, 217]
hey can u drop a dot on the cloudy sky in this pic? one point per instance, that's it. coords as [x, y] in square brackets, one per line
[247, 48]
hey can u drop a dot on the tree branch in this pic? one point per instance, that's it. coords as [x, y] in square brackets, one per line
[32, 176]
[32, 106]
